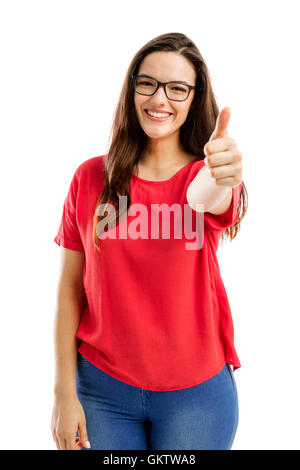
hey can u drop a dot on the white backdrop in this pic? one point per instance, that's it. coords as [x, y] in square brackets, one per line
[63, 64]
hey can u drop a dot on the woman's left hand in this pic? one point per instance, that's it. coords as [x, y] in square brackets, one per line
[222, 155]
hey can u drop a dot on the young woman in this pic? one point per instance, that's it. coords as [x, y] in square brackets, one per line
[144, 338]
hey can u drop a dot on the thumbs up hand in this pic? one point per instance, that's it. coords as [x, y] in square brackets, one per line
[222, 155]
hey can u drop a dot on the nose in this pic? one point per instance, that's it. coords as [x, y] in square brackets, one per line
[159, 95]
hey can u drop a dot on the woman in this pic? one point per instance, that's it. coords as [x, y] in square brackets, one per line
[143, 332]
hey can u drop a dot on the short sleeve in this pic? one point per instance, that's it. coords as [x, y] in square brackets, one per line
[227, 219]
[68, 234]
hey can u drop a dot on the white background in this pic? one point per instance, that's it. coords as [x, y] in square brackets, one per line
[63, 64]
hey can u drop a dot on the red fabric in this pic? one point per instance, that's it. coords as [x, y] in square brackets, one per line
[157, 315]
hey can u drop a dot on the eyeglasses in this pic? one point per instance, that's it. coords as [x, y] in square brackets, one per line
[175, 91]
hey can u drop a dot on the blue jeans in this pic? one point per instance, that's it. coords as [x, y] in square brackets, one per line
[120, 416]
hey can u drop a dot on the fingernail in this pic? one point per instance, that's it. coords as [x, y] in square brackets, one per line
[205, 161]
[87, 444]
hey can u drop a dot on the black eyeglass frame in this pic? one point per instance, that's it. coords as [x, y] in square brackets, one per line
[190, 87]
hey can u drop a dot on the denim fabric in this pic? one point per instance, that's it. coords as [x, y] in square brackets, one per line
[121, 416]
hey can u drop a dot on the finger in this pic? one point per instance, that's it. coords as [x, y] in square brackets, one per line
[224, 171]
[230, 181]
[228, 175]
[72, 443]
[219, 145]
[78, 445]
[220, 129]
[55, 439]
[83, 434]
[220, 159]
[61, 441]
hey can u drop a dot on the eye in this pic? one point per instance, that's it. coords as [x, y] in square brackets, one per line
[178, 88]
[144, 82]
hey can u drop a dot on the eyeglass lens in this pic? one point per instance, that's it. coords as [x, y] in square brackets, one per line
[147, 86]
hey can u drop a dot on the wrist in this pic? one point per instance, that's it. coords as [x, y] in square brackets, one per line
[65, 392]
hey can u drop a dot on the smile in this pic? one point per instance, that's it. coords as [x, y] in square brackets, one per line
[157, 116]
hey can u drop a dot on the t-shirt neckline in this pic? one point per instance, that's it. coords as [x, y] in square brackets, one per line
[142, 180]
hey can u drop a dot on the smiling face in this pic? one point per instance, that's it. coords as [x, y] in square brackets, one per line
[165, 67]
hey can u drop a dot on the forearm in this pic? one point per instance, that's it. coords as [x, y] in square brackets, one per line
[204, 195]
[70, 302]
[220, 207]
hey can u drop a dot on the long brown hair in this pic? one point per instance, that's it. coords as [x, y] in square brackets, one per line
[128, 140]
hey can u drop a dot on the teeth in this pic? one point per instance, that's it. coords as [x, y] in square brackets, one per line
[159, 115]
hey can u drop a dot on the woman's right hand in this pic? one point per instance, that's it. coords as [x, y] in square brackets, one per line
[68, 417]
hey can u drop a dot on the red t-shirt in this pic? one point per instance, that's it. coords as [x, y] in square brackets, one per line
[157, 314]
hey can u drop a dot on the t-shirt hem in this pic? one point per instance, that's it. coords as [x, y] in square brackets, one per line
[77, 246]
[84, 350]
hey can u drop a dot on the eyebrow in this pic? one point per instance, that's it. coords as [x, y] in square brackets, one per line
[176, 81]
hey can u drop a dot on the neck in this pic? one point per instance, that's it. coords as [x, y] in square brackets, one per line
[163, 153]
